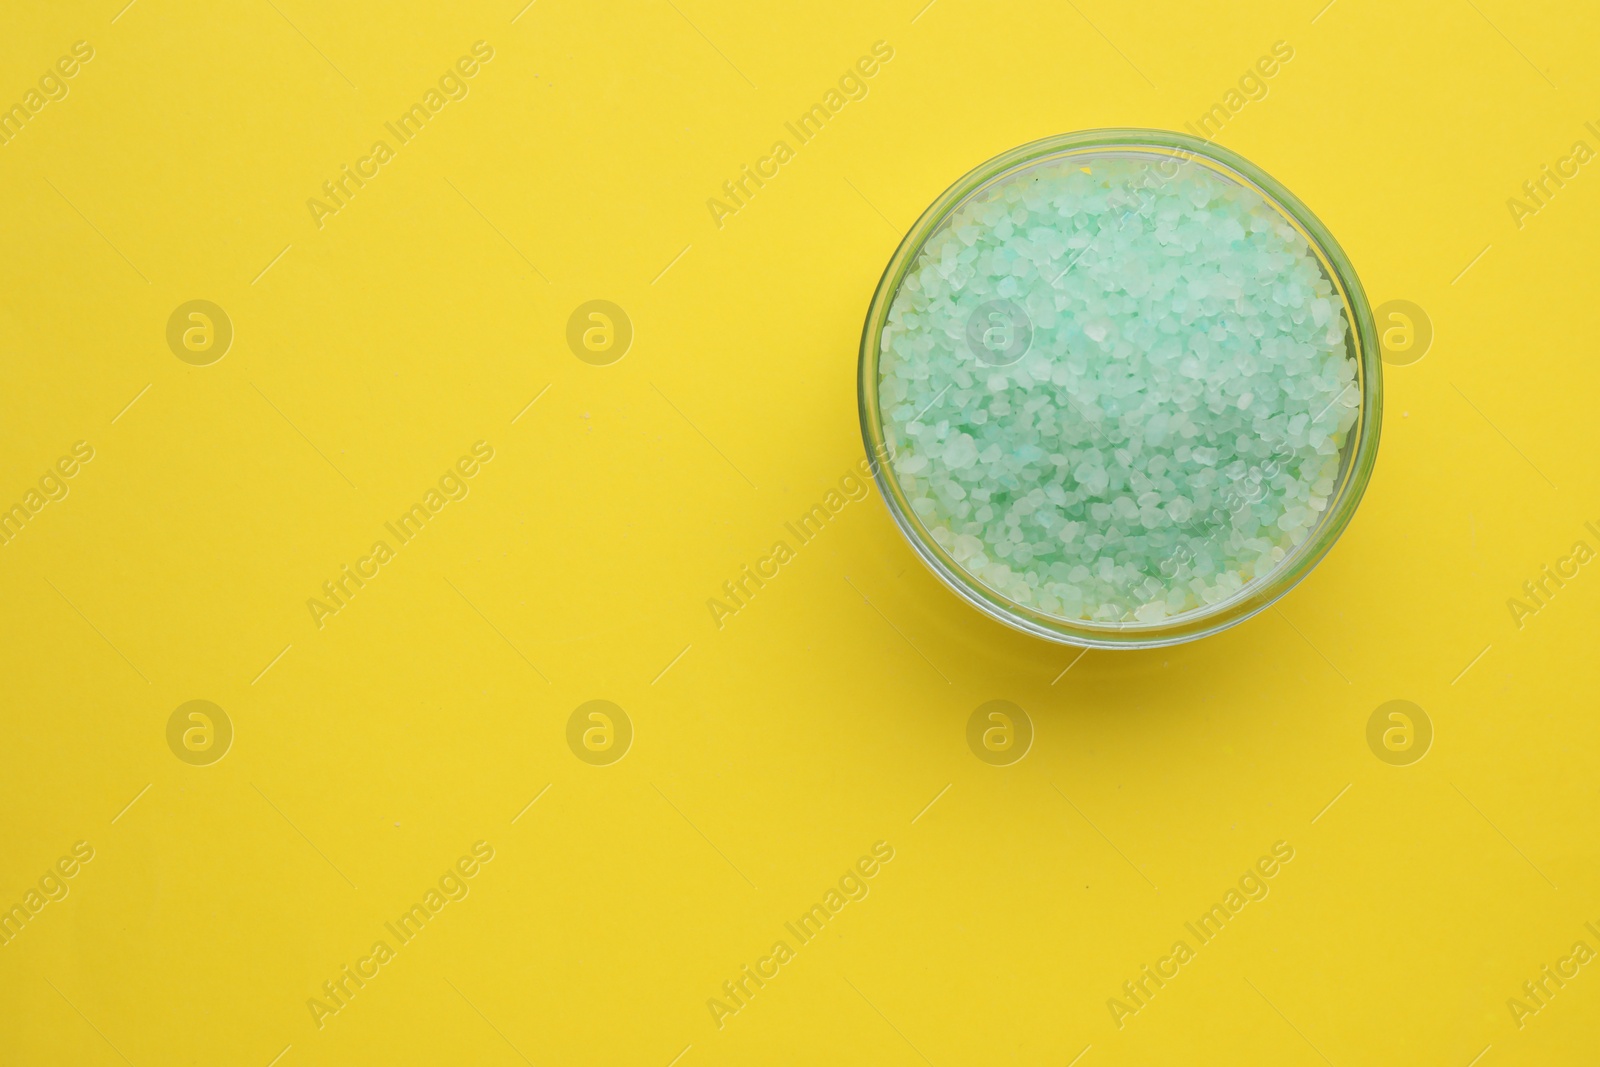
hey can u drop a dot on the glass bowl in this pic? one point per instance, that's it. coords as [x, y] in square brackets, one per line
[1161, 153]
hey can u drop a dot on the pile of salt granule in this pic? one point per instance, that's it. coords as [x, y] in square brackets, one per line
[1174, 425]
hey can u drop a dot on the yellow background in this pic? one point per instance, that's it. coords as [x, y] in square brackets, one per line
[828, 713]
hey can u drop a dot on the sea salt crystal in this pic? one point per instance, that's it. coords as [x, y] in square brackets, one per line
[1130, 389]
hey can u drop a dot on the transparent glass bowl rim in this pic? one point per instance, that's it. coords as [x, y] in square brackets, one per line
[1357, 459]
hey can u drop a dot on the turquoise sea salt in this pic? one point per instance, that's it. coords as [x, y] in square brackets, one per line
[1117, 389]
